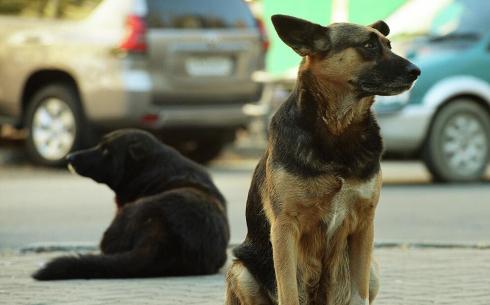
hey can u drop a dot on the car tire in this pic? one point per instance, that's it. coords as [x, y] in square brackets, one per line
[457, 148]
[55, 124]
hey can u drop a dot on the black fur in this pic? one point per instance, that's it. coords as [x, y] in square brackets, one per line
[302, 36]
[256, 251]
[171, 218]
[381, 26]
[390, 74]
[296, 131]
[300, 141]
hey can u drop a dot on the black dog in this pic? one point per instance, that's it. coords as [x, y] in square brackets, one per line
[171, 218]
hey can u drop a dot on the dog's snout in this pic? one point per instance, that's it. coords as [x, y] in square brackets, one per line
[74, 156]
[80, 155]
[413, 71]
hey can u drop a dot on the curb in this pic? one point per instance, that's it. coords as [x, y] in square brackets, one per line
[44, 247]
[91, 247]
[432, 245]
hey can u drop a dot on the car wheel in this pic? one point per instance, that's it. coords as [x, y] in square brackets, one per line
[54, 123]
[458, 144]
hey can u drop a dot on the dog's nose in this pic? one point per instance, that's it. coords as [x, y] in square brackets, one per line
[413, 70]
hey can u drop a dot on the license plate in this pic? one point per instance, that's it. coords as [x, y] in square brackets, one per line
[209, 66]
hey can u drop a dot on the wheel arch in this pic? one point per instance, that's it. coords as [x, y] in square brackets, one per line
[430, 152]
[41, 78]
[476, 99]
[449, 91]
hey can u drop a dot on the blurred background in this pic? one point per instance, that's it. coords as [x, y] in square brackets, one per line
[205, 77]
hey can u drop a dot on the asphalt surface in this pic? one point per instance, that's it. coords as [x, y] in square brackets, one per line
[408, 277]
[433, 245]
[39, 205]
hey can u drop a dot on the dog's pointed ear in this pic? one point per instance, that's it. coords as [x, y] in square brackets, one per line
[381, 26]
[304, 37]
[138, 150]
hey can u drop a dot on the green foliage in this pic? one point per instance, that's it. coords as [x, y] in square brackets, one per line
[59, 9]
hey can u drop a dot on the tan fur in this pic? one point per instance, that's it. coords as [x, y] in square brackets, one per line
[312, 257]
[321, 227]
[331, 84]
[333, 77]
[300, 234]
[242, 287]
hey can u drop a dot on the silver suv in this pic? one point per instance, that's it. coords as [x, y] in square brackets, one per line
[73, 68]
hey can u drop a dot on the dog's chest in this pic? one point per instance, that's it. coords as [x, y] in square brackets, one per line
[323, 249]
[325, 198]
[351, 200]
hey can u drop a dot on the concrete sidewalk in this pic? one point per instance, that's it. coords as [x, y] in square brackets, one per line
[409, 276]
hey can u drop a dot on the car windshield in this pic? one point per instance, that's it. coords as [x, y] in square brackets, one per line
[443, 18]
[462, 17]
[191, 14]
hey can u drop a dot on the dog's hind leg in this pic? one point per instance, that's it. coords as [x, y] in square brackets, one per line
[242, 288]
[116, 239]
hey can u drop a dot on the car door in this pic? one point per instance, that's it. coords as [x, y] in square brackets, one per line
[22, 37]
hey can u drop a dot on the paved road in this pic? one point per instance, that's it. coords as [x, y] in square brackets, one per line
[40, 205]
[408, 277]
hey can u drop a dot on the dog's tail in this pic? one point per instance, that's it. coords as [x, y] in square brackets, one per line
[119, 265]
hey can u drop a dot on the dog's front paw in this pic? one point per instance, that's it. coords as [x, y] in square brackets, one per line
[357, 300]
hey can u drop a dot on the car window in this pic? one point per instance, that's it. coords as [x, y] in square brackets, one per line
[199, 14]
[462, 16]
[442, 18]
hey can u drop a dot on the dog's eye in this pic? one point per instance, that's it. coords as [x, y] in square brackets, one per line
[369, 45]
[105, 152]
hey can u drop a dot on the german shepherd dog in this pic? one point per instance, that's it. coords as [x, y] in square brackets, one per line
[171, 219]
[313, 196]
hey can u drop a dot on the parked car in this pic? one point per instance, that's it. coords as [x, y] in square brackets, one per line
[445, 118]
[182, 69]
